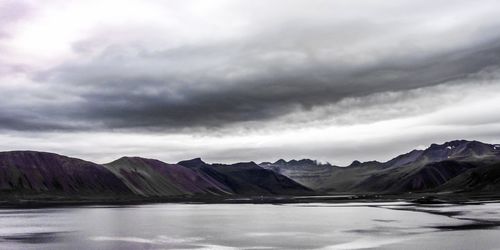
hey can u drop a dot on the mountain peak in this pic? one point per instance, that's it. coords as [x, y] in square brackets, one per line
[241, 164]
[355, 163]
[280, 161]
[456, 143]
[459, 144]
[193, 163]
[294, 162]
[459, 149]
[130, 159]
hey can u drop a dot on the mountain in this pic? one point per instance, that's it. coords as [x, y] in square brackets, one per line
[455, 166]
[204, 168]
[482, 179]
[48, 173]
[459, 150]
[417, 170]
[404, 159]
[40, 174]
[306, 172]
[412, 178]
[430, 168]
[149, 177]
[249, 178]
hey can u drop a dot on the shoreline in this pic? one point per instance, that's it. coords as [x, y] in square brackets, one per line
[415, 198]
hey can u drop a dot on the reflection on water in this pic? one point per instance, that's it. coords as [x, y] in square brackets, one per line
[245, 226]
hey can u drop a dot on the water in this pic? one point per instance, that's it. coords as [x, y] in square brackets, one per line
[245, 226]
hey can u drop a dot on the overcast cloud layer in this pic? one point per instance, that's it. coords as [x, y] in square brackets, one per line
[246, 80]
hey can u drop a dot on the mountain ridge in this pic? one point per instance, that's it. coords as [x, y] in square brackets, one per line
[454, 166]
[420, 169]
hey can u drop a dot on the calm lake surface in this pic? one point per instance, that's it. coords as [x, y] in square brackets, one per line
[245, 226]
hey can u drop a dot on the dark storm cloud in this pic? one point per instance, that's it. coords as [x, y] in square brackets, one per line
[192, 87]
[147, 75]
[29, 124]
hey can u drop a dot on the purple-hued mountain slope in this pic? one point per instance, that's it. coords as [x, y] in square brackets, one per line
[149, 177]
[29, 171]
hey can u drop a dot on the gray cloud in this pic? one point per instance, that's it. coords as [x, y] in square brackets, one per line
[216, 86]
[143, 76]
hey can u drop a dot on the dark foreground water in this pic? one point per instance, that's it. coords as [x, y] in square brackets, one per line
[244, 226]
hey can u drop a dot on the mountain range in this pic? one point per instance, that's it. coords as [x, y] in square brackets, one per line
[29, 173]
[455, 167]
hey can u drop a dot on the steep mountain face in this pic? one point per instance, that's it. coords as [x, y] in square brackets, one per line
[417, 170]
[149, 177]
[38, 172]
[249, 178]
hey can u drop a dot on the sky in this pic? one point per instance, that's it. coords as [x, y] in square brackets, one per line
[231, 80]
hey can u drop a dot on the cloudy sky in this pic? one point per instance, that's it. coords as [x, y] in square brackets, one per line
[231, 80]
